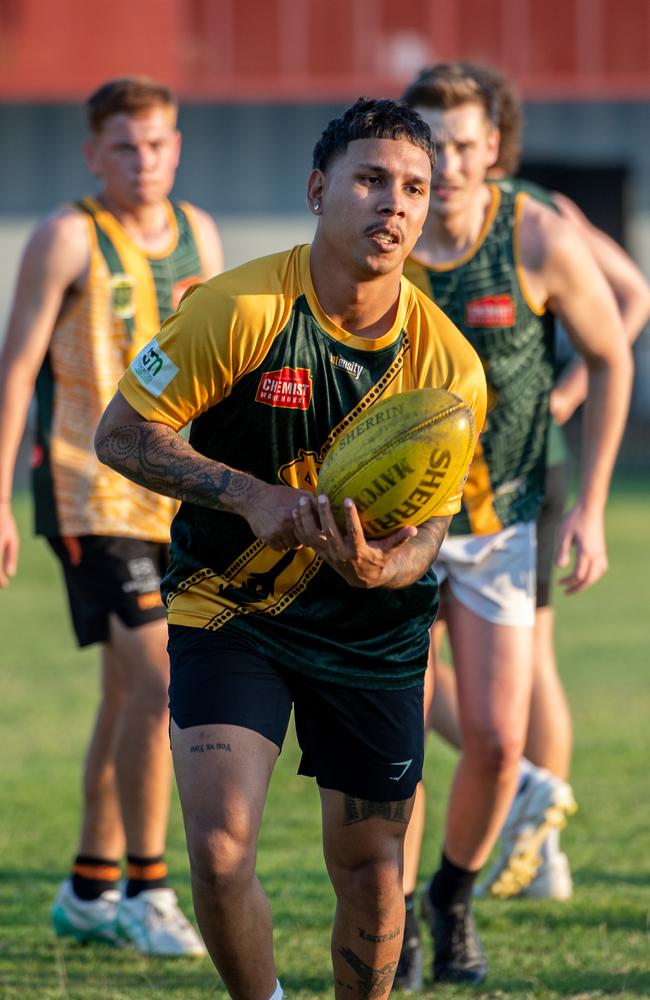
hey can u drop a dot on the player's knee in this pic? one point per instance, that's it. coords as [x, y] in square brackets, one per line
[220, 859]
[150, 689]
[494, 751]
[372, 886]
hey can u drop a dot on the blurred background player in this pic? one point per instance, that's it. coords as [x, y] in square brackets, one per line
[96, 280]
[549, 737]
[497, 263]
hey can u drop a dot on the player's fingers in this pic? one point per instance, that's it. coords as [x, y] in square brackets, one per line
[330, 529]
[353, 524]
[593, 569]
[563, 551]
[304, 523]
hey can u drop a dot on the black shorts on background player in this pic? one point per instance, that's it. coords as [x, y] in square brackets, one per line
[548, 522]
[107, 575]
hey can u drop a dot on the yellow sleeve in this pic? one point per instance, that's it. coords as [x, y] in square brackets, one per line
[444, 358]
[221, 331]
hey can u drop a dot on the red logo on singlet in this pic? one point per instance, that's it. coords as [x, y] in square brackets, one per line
[493, 310]
[289, 387]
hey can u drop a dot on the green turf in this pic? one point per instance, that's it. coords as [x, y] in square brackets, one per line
[595, 946]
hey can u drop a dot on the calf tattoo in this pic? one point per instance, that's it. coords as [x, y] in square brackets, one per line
[370, 982]
[356, 810]
[379, 938]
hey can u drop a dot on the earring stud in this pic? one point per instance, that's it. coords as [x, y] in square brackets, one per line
[316, 206]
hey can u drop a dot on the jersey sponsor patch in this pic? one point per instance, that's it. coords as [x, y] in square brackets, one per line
[493, 310]
[287, 387]
[153, 368]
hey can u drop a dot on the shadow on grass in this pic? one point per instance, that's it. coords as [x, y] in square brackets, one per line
[495, 916]
[573, 984]
[589, 877]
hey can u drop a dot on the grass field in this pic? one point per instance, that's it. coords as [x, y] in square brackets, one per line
[598, 945]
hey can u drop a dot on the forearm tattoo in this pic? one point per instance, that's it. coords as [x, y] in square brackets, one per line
[370, 982]
[154, 456]
[413, 559]
[357, 810]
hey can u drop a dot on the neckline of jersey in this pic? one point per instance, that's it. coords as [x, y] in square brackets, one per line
[112, 225]
[336, 331]
[472, 250]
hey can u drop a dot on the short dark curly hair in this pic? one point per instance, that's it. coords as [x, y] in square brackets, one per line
[371, 119]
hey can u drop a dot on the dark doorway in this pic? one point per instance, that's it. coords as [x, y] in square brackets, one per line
[599, 191]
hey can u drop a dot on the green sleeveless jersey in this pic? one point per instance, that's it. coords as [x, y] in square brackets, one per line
[269, 383]
[127, 295]
[483, 295]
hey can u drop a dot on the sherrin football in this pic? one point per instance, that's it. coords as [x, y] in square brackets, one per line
[400, 460]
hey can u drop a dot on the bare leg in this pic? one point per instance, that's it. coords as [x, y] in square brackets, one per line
[102, 831]
[223, 790]
[142, 756]
[363, 852]
[494, 672]
[550, 731]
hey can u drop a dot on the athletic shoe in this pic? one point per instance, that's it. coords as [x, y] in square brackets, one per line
[86, 919]
[409, 978]
[553, 880]
[457, 953]
[542, 803]
[154, 923]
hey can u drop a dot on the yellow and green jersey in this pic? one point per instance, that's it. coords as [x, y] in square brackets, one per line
[127, 295]
[269, 383]
[484, 294]
[557, 450]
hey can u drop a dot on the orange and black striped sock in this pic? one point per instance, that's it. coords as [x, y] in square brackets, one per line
[145, 873]
[93, 876]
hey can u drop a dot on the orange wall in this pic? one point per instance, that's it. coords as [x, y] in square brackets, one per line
[313, 50]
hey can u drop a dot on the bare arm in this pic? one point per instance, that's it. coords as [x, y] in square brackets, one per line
[393, 562]
[563, 269]
[632, 293]
[56, 257]
[155, 456]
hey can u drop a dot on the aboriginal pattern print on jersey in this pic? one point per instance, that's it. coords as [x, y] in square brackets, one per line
[127, 295]
[483, 295]
[269, 383]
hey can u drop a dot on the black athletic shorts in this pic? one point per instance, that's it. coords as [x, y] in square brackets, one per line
[106, 575]
[368, 744]
[548, 522]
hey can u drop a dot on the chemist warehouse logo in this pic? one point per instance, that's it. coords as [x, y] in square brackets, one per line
[287, 387]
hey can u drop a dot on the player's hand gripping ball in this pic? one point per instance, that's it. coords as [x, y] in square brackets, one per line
[400, 460]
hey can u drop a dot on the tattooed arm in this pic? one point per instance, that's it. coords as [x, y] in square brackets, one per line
[153, 455]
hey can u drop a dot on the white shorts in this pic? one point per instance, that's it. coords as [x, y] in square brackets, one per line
[493, 575]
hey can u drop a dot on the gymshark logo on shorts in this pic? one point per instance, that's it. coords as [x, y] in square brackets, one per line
[153, 369]
[404, 764]
[352, 367]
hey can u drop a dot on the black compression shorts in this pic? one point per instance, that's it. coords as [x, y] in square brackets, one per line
[365, 743]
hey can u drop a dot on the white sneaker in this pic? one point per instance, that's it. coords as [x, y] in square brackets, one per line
[86, 919]
[542, 803]
[553, 880]
[155, 924]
